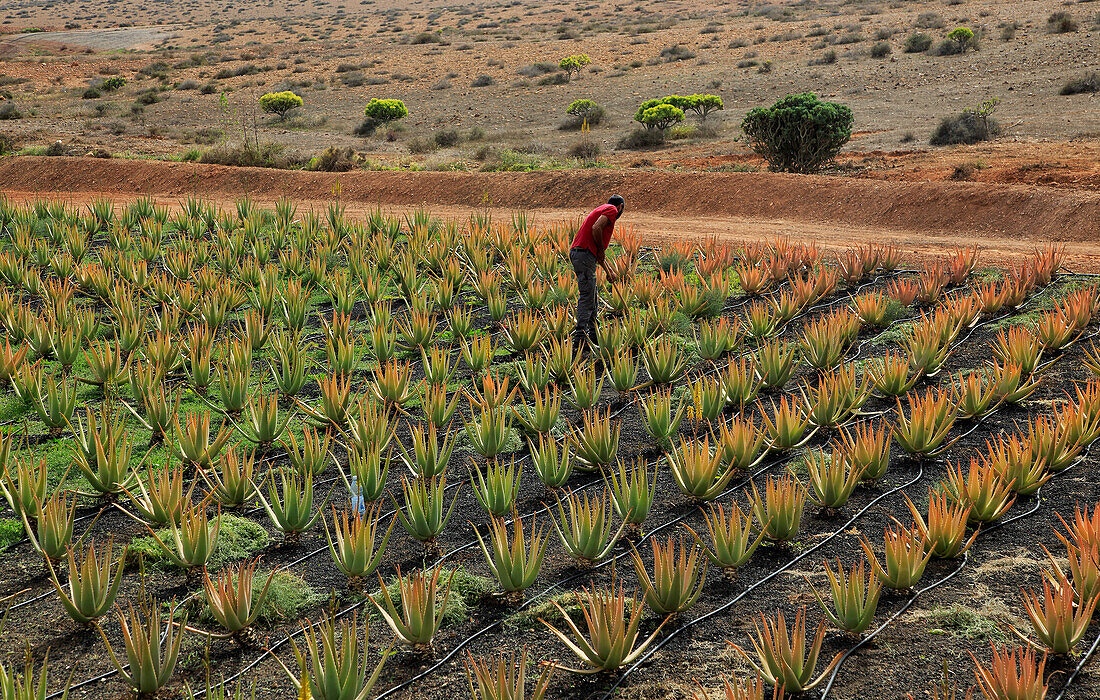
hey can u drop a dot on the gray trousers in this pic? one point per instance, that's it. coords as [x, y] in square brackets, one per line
[584, 264]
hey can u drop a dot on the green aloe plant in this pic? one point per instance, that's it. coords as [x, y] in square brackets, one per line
[586, 532]
[855, 597]
[423, 516]
[151, 654]
[353, 550]
[292, 514]
[782, 657]
[610, 640]
[516, 561]
[677, 580]
[423, 603]
[91, 587]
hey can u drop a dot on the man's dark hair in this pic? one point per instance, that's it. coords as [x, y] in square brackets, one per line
[617, 201]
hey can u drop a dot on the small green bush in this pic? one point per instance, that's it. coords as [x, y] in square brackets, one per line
[968, 127]
[559, 78]
[335, 160]
[574, 64]
[483, 81]
[659, 117]
[958, 41]
[447, 138]
[881, 49]
[918, 42]
[379, 112]
[799, 133]
[90, 94]
[280, 103]
[115, 82]
[581, 111]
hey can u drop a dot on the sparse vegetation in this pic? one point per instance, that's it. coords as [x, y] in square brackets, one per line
[970, 126]
[1088, 83]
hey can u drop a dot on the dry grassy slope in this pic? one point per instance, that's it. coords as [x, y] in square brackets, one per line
[1006, 220]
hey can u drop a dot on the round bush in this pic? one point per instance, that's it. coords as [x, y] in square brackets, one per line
[918, 42]
[113, 83]
[585, 111]
[660, 116]
[386, 111]
[881, 50]
[799, 133]
[280, 102]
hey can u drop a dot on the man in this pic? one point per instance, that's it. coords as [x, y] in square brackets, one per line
[589, 246]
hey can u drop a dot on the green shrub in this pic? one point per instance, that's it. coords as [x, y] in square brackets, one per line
[90, 94]
[881, 49]
[799, 133]
[252, 154]
[918, 42]
[379, 112]
[574, 64]
[581, 111]
[1086, 84]
[968, 127]
[958, 41]
[659, 117]
[483, 81]
[280, 103]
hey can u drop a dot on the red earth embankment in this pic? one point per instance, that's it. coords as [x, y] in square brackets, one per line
[920, 217]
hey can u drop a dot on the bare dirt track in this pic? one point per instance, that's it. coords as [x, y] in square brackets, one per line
[1005, 220]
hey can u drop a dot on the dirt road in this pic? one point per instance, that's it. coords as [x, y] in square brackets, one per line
[921, 218]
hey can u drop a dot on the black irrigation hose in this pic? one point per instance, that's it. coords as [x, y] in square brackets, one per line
[638, 663]
[358, 605]
[981, 533]
[459, 646]
[759, 582]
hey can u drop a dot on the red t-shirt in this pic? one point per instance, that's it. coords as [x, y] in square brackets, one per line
[585, 239]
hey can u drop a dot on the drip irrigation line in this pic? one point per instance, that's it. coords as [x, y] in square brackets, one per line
[759, 582]
[462, 644]
[966, 558]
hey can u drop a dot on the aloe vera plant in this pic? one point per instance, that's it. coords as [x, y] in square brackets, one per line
[944, 532]
[354, 549]
[783, 657]
[596, 443]
[779, 510]
[423, 516]
[855, 596]
[905, 558]
[586, 532]
[429, 458]
[732, 542]
[1012, 674]
[515, 561]
[22, 686]
[490, 431]
[232, 602]
[610, 640]
[193, 539]
[231, 482]
[632, 492]
[677, 580]
[698, 471]
[92, 588]
[52, 530]
[335, 662]
[1056, 621]
[661, 419]
[290, 506]
[504, 678]
[151, 653]
[553, 470]
[832, 478]
[422, 605]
